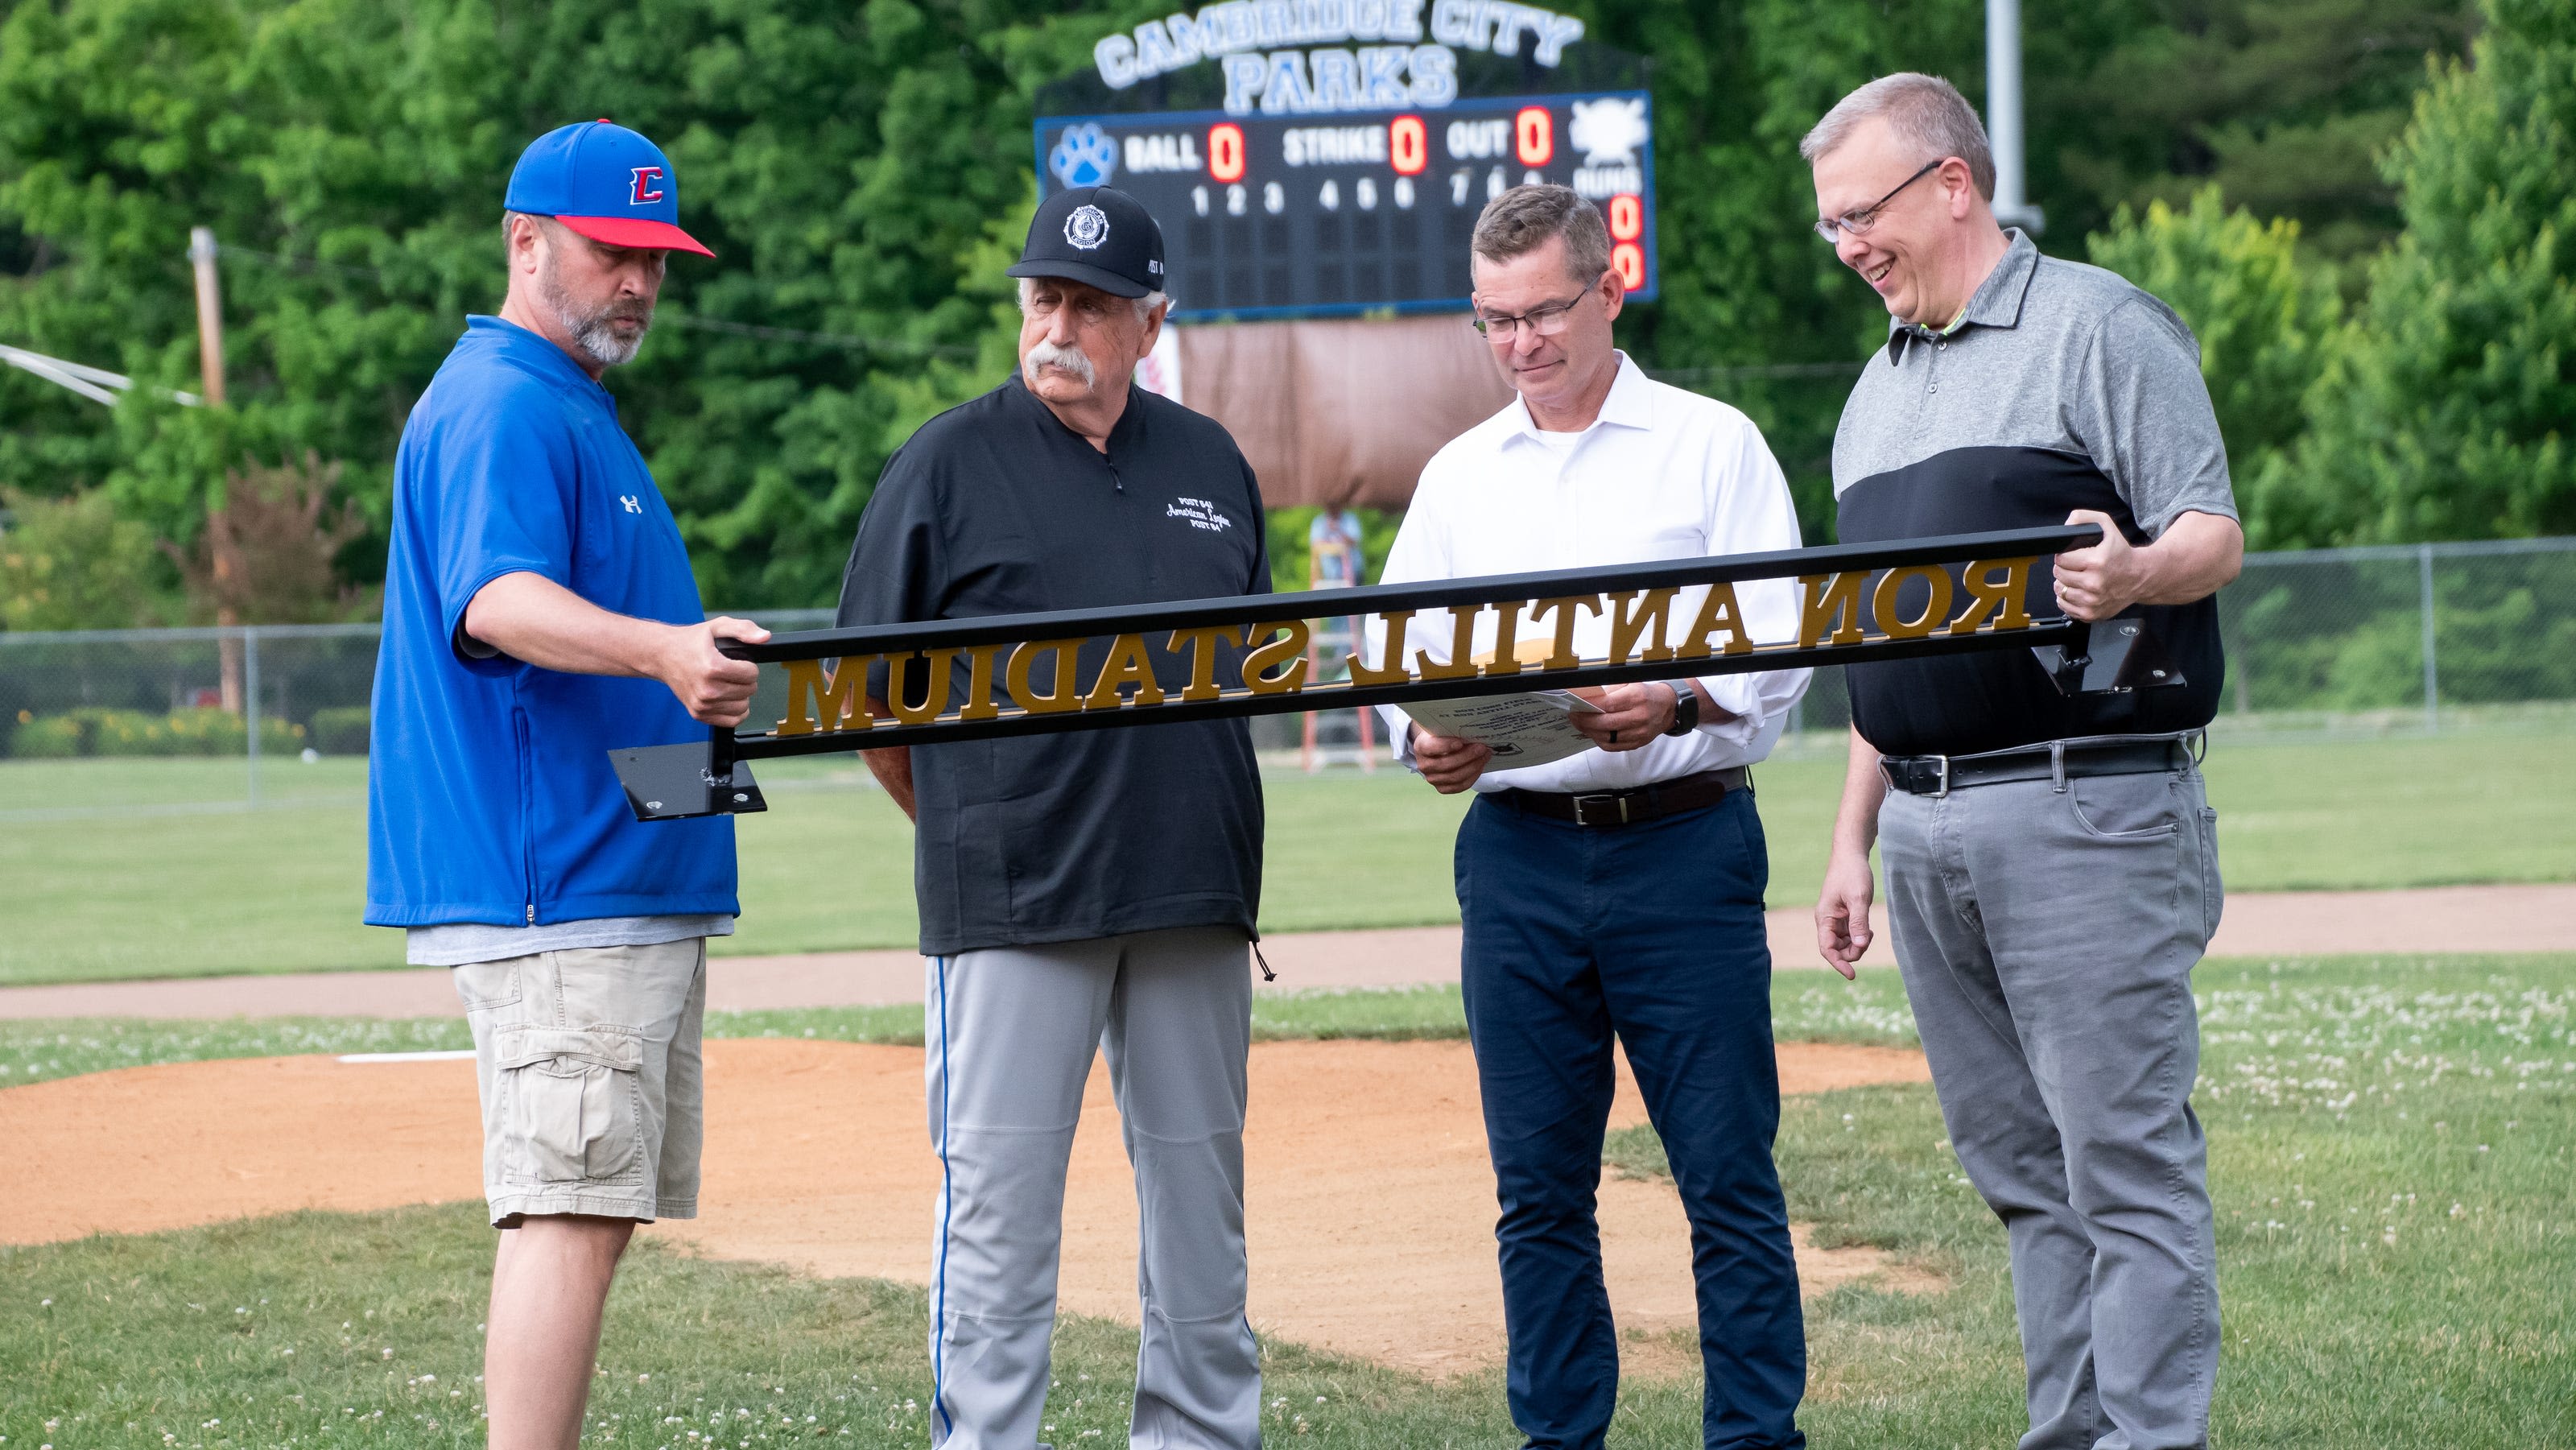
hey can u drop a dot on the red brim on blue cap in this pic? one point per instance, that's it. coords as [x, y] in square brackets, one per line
[627, 231]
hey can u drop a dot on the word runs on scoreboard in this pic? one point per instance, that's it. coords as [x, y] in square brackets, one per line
[1324, 214]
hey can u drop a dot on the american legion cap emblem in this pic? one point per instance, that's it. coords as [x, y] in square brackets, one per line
[1087, 228]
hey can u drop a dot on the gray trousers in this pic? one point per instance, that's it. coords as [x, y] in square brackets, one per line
[2047, 937]
[1011, 1032]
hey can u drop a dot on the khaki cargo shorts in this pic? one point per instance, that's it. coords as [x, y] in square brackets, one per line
[592, 1080]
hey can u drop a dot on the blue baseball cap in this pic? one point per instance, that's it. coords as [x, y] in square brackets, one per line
[605, 182]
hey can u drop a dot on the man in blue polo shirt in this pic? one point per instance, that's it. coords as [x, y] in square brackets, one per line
[539, 610]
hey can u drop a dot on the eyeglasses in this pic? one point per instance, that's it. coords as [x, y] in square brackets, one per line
[1545, 321]
[1859, 222]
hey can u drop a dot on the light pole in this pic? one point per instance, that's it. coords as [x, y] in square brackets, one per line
[2003, 116]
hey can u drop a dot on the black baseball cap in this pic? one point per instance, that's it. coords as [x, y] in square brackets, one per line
[1095, 234]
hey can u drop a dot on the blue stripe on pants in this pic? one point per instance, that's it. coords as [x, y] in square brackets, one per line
[1653, 934]
[947, 1204]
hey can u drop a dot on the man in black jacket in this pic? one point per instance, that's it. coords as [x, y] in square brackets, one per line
[1080, 889]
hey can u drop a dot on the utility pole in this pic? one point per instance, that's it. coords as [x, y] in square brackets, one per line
[210, 363]
[210, 314]
[2003, 116]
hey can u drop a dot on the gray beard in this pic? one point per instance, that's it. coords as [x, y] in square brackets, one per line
[592, 332]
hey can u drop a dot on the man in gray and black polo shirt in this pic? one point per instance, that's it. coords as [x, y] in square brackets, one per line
[2051, 867]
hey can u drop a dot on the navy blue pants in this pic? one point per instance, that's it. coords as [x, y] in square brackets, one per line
[1652, 933]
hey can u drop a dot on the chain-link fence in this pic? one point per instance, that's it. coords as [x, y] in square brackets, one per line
[2375, 638]
[2409, 638]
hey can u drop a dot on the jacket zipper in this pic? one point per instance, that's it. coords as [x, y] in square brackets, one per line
[527, 815]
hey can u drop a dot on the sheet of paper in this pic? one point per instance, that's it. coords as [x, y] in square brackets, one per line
[1530, 729]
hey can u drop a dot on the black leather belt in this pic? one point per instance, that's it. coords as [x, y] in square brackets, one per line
[1629, 807]
[1938, 775]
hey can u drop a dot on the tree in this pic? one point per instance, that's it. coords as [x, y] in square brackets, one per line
[2264, 319]
[71, 563]
[863, 172]
[851, 167]
[2447, 414]
[2286, 104]
[266, 553]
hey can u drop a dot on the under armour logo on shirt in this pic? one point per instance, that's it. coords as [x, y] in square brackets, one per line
[632, 506]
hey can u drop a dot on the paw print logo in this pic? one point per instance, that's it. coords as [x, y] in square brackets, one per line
[1084, 156]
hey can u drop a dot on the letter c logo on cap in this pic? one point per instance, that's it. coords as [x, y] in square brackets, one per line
[645, 191]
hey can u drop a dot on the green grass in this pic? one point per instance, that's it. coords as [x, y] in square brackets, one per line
[2390, 1153]
[328, 1329]
[125, 893]
[2390, 1145]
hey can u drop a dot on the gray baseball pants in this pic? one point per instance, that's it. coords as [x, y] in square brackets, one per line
[2047, 935]
[1011, 1032]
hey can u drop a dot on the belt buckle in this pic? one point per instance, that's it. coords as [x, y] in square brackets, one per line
[1582, 818]
[1942, 792]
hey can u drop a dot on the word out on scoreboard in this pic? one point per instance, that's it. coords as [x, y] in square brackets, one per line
[1317, 179]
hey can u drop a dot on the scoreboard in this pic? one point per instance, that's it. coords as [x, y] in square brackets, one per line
[1352, 211]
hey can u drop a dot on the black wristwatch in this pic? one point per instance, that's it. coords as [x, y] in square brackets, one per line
[1685, 710]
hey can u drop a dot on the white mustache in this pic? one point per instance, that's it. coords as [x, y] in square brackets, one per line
[1052, 355]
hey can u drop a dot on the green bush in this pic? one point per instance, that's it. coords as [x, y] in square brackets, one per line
[51, 737]
[132, 734]
[341, 731]
[71, 563]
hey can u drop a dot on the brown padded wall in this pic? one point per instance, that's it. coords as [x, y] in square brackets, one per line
[1341, 412]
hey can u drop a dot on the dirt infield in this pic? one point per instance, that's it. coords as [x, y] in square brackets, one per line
[1371, 1204]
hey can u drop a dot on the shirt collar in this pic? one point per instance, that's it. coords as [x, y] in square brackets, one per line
[1631, 403]
[1996, 302]
[1122, 434]
[533, 351]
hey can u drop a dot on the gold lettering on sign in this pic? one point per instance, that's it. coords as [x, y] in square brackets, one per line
[979, 682]
[1399, 623]
[1015, 676]
[1289, 651]
[1989, 595]
[1201, 643]
[1649, 621]
[1883, 601]
[1507, 637]
[1832, 604]
[1127, 665]
[1567, 609]
[1462, 650]
[1719, 613]
[834, 695]
[934, 695]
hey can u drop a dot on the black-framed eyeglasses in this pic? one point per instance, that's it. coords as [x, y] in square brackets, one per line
[1859, 222]
[1546, 321]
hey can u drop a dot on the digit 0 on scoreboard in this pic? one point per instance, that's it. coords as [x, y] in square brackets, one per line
[1627, 217]
[1408, 145]
[1534, 135]
[1225, 151]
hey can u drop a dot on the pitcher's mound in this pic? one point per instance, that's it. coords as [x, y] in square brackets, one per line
[1371, 1207]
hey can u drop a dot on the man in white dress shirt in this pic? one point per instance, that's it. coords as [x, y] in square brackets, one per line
[1618, 892]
